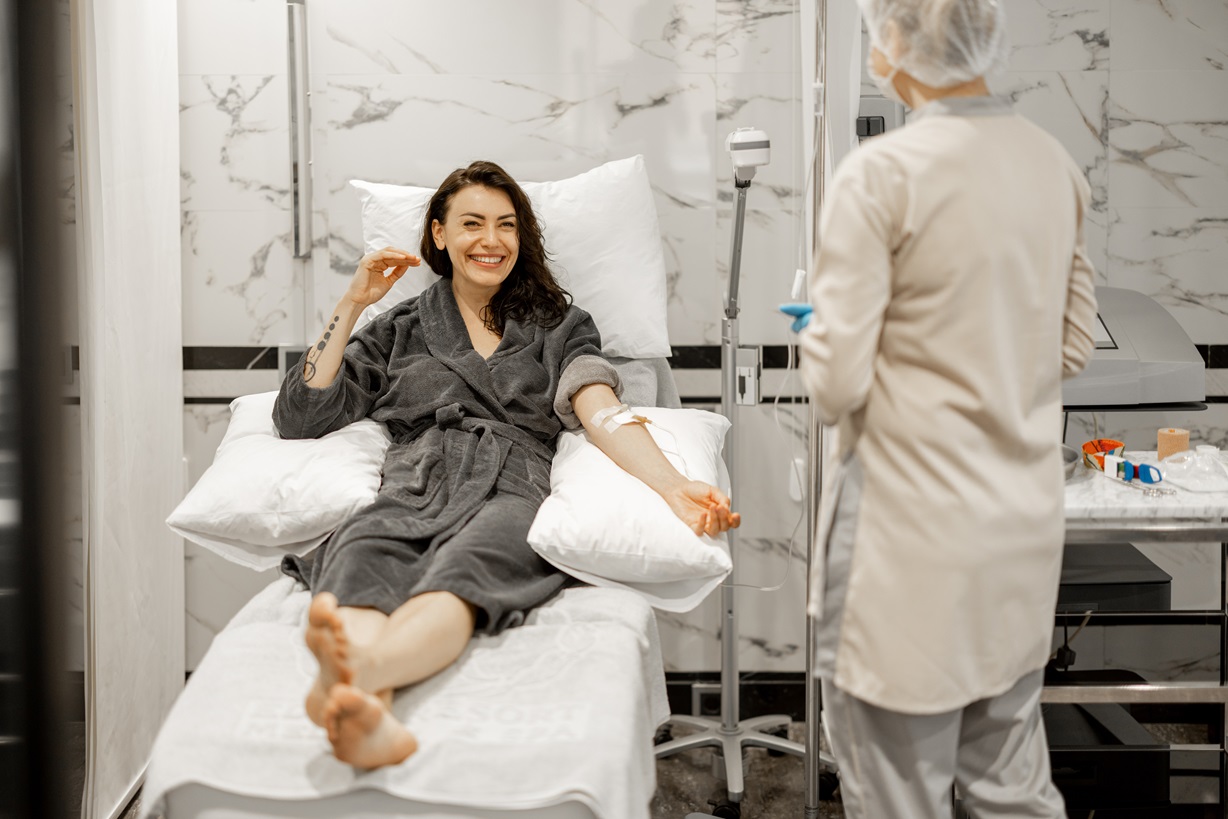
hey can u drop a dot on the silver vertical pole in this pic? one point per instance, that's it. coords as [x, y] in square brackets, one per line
[729, 349]
[300, 129]
[814, 457]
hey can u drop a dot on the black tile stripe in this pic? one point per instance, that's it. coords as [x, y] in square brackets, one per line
[708, 357]
[684, 357]
[230, 358]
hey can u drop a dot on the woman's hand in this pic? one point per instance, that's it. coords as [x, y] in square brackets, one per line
[703, 508]
[377, 272]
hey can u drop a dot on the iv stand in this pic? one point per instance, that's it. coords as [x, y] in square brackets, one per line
[729, 735]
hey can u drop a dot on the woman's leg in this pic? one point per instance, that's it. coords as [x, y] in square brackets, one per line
[420, 639]
[370, 658]
[333, 635]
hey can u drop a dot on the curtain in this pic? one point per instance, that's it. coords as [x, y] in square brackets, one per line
[126, 115]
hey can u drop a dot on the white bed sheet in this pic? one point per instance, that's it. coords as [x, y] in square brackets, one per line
[552, 719]
[193, 801]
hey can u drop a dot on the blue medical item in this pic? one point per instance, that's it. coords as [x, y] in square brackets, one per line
[801, 314]
[1129, 470]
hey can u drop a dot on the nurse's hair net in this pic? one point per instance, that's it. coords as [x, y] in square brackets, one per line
[939, 42]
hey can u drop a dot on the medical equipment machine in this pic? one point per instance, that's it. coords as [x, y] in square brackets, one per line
[749, 148]
[1142, 358]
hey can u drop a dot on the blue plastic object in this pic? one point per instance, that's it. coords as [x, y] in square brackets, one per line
[801, 314]
[1149, 474]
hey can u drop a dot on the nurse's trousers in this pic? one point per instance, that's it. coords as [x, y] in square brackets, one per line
[902, 766]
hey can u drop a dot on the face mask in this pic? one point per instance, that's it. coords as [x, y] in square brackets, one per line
[885, 83]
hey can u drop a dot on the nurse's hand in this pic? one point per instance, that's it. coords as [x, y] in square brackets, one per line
[377, 272]
[801, 315]
[703, 508]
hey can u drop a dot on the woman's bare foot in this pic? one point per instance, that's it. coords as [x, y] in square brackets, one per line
[362, 731]
[326, 639]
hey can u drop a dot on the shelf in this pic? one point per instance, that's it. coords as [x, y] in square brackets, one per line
[1173, 692]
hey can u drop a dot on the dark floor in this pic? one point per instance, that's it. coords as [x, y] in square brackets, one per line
[775, 785]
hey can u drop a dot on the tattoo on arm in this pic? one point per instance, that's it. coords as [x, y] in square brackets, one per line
[309, 366]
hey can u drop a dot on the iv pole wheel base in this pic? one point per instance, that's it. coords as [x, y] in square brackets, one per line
[781, 731]
[724, 809]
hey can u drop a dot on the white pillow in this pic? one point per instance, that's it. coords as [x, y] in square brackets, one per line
[264, 496]
[601, 234]
[608, 528]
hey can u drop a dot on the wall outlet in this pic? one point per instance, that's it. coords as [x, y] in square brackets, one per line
[748, 365]
[705, 699]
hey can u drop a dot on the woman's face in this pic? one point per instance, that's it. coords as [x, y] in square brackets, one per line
[480, 233]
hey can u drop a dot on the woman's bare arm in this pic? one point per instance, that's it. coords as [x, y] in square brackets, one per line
[704, 508]
[376, 274]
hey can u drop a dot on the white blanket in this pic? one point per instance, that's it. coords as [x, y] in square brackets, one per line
[562, 708]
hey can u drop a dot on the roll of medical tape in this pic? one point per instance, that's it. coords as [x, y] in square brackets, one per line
[1171, 440]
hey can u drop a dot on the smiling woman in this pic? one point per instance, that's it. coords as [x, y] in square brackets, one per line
[475, 378]
[479, 231]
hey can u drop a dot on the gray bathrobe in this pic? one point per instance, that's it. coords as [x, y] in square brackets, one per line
[470, 459]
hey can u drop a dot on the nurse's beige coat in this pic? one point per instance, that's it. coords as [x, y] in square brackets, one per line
[952, 293]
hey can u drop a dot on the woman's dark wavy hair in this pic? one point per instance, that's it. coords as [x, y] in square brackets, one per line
[530, 292]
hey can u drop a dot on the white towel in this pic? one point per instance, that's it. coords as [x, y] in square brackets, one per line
[562, 708]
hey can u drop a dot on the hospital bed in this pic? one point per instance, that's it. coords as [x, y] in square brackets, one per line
[552, 719]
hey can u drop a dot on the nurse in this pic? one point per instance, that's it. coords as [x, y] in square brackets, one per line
[951, 296]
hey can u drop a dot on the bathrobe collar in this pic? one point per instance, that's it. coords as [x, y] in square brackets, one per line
[447, 338]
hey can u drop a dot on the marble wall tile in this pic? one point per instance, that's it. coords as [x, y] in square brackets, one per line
[203, 428]
[538, 128]
[232, 37]
[691, 641]
[696, 290]
[767, 102]
[1073, 107]
[234, 142]
[537, 37]
[757, 36]
[226, 384]
[1195, 570]
[770, 259]
[1168, 149]
[1138, 429]
[1058, 35]
[771, 625]
[1217, 382]
[241, 284]
[66, 195]
[1178, 256]
[72, 502]
[215, 588]
[1170, 34]
[1160, 653]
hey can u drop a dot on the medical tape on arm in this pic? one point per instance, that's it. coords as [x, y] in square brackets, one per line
[611, 418]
